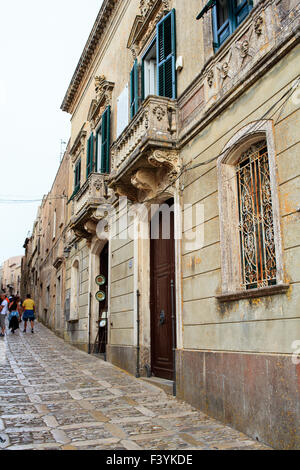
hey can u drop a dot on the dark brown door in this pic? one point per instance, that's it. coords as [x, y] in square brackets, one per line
[103, 306]
[162, 273]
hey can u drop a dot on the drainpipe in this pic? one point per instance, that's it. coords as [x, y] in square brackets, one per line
[138, 336]
[173, 338]
[90, 301]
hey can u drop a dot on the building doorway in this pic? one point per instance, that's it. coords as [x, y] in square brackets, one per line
[162, 273]
[103, 305]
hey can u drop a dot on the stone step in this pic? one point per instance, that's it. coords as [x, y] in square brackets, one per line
[164, 384]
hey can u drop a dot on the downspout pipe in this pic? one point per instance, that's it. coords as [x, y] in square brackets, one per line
[90, 301]
[138, 336]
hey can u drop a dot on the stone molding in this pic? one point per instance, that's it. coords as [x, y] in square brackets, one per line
[79, 145]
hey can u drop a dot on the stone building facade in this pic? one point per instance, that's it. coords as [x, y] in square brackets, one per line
[11, 276]
[43, 266]
[201, 127]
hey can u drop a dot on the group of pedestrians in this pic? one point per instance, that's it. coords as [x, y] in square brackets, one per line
[16, 311]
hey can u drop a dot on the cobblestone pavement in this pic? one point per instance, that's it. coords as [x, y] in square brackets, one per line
[53, 396]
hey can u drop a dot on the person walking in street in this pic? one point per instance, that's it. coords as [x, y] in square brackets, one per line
[13, 316]
[3, 313]
[29, 309]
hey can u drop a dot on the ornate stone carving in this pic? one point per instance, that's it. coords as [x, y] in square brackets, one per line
[98, 184]
[147, 5]
[159, 112]
[99, 82]
[103, 92]
[258, 25]
[169, 159]
[224, 68]
[210, 78]
[244, 47]
[145, 181]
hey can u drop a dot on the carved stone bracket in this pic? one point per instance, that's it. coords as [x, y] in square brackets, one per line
[149, 182]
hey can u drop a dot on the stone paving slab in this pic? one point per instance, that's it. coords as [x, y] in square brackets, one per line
[54, 397]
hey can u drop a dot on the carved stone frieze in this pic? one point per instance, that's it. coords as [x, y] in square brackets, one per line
[210, 78]
[159, 112]
[244, 46]
[147, 5]
[258, 25]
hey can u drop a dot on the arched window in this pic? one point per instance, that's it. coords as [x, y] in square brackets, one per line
[251, 248]
[75, 288]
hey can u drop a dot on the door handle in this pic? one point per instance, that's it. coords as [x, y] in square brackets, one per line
[162, 317]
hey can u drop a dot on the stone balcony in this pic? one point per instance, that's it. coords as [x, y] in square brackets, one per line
[85, 203]
[145, 157]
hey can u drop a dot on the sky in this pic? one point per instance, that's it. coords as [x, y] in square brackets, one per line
[40, 43]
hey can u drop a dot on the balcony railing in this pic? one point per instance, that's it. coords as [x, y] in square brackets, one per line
[89, 194]
[85, 204]
[155, 124]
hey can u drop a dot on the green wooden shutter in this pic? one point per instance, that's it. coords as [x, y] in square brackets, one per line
[96, 153]
[134, 89]
[90, 155]
[77, 174]
[166, 56]
[105, 147]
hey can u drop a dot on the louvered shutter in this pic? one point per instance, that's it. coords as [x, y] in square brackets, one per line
[105, 147]
[166, 56]
[90, 155]
[134, 89]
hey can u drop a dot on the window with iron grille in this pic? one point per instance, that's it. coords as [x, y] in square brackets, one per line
[258, 257]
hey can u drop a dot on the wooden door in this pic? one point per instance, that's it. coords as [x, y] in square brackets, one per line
[103, 306]
[162, 273]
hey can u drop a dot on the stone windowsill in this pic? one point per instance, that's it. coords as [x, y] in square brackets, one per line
[253, 293]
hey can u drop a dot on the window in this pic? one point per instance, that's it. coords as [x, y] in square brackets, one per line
[77, 176]
[250, 235]
[258, 259]
[102, 163]
[227, 16]
[158, 65]
[90, 155]
[149, 72]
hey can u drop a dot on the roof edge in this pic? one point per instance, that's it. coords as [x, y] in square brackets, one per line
[88, 51]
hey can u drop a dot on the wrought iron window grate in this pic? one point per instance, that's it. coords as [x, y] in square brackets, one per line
[258, 258]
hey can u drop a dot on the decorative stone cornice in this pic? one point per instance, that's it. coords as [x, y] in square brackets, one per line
[87, 55]
[79, 144]
[103, 92]
[151, 12]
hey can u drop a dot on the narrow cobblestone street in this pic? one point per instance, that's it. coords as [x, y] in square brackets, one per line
[53, 396]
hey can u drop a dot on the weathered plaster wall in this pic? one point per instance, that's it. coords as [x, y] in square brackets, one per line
[236, 363]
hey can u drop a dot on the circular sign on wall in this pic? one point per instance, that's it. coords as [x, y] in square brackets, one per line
[100, 280]
[100, 296]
